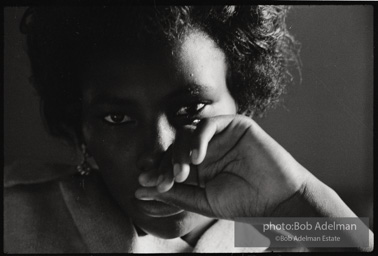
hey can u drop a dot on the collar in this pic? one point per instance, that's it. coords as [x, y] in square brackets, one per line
[104, 227]
[102, 224]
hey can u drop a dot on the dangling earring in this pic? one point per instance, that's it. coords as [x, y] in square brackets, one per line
[84, 167]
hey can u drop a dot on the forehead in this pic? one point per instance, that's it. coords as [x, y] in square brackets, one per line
[196, 50]
[193, 60]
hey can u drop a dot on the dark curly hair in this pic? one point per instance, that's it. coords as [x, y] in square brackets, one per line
[259, 50]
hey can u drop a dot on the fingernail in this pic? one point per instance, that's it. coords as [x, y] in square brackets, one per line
[142, 179]
[194, 155]
[162, 188]
[176, 169]
[143, 197]
[185, 169]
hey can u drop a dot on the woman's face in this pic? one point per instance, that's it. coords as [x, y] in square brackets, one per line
[134, 104]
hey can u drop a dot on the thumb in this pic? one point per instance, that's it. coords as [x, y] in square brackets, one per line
[187, 197]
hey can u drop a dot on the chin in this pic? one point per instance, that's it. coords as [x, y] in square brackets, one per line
[169, 227]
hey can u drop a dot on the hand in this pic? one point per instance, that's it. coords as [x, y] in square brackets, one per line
[227, 167]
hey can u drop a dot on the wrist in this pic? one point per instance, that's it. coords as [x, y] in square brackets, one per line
[313, 199]
[316, 199]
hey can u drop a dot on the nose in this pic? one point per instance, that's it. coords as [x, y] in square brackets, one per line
[158, 135]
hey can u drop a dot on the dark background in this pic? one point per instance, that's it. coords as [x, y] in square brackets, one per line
[326, 121]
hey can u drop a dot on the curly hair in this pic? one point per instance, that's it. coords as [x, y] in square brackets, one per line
[260, 51]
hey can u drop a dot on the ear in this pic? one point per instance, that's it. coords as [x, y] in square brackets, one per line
[87, 156]
[92, 162]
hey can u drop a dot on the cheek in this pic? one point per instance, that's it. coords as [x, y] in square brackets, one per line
[233, 106]
[227, 106]
[114, 153]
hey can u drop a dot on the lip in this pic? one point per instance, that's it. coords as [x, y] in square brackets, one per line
[158, 209]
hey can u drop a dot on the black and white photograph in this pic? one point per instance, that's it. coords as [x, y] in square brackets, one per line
[147, 128]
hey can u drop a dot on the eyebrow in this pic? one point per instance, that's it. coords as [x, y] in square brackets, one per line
[190, 89]
[106, 99]
[187, 91]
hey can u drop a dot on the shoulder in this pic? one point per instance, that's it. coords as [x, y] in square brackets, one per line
[50, 208]
[36, 218]
[32, 172]
[33, 184]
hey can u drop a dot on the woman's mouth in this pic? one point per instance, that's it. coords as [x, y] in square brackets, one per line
[157, 209]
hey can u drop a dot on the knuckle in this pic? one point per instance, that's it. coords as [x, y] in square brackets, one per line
[243, 119]
[204, 123]
[245, 122]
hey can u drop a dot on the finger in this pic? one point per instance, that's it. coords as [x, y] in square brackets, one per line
[154, 179]
[217, 136]
[193, 178]
[181, 172]
[149, 179]
[187, 197]
[166, 182]
[162, 177]
[205, 131]
[181, 154]
[166, 179]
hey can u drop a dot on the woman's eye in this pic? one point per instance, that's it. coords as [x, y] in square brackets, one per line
[117, 118]
[190, 114]
[191, 110]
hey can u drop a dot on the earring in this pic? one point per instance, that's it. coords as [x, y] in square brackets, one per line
[84, 167]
